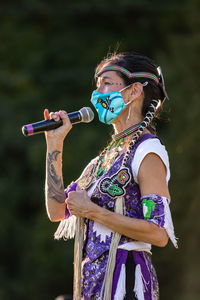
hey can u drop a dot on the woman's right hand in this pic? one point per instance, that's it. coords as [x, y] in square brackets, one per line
[61, 132]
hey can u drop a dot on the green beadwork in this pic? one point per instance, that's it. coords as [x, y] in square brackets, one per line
[148, 205]
[126, 132]
[114, 190]
[119, 137]
[110, 146]
[99, 171]
[120, 142]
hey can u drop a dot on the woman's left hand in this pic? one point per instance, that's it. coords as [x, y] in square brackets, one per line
[78, 203]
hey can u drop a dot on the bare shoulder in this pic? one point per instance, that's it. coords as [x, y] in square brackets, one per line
[152, 176]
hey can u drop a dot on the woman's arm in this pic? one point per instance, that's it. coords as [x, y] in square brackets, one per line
[152, 179]
[54, 188]
[152, 176]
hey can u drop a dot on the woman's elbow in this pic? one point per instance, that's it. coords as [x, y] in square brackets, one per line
[162, 238]
[162, 243]
[55, 211]
[55, 217]
[159, 235]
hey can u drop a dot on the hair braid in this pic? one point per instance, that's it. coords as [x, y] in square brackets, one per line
[145, 123]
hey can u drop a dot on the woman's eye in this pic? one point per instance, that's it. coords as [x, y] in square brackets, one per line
[106, 83]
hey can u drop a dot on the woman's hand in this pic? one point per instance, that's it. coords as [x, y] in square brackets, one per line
[79, 204]
[59, 133]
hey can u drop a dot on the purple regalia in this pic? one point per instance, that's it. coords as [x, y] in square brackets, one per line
[96, 249]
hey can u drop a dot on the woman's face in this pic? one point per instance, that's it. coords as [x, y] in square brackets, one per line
[109, 81]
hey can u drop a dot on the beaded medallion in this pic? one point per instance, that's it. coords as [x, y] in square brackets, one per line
[114, 186]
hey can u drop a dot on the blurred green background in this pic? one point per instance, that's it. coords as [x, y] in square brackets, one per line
[48, 52]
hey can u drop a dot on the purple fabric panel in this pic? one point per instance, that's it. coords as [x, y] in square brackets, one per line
[67, 213]
[140, 259]
[121, 258]
[93, 276]
[71, 188]
[146, 136]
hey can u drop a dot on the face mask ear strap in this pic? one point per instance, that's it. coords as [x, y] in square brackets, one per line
[145, 84]
[126, 87]
[162, 83]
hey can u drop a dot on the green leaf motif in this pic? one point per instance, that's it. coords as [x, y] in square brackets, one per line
[148, 206]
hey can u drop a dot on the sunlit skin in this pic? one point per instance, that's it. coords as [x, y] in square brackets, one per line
[151, 175]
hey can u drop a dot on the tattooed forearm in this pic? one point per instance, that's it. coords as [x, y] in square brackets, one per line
[55, 188]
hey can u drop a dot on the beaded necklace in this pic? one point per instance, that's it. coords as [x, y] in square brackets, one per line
[106, 158]
[120, 136]
[117, 137]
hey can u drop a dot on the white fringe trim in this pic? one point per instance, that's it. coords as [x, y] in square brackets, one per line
[168, 224]
[66, 229]
[140, 284]
[121, 285]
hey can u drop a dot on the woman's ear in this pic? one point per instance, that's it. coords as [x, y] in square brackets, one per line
[136, 90]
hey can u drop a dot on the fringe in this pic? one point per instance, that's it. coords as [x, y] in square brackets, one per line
[121, 285]
[139, 287]
[66, 229]
[168, 224]
[106, 290]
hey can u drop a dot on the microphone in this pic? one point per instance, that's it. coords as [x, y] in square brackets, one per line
[84, 115]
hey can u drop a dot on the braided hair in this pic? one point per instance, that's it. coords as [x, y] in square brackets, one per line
[154, 93]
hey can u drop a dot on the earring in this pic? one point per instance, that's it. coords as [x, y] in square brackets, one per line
[129, 113]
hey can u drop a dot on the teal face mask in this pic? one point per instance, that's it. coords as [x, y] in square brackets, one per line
[109, 105]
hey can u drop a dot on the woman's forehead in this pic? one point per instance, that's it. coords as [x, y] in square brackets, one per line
[113, 75]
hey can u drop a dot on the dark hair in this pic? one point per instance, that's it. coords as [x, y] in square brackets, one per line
[137, 63]
[154, 93]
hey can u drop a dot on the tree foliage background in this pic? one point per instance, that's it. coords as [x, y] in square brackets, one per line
[48, 52]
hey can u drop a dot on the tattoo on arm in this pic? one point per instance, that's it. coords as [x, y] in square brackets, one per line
[55, 188]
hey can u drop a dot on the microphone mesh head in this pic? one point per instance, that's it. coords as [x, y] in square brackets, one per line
[87, 114]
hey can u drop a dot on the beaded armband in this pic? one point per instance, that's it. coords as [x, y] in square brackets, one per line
[156, 210]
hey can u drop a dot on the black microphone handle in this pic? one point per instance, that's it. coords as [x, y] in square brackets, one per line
[46, 125]
[41, 126]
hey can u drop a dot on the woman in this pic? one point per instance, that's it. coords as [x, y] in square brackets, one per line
[119, 206]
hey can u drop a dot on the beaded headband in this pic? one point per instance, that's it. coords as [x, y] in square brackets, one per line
[129, 74]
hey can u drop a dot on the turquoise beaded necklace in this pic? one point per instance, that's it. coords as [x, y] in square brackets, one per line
[117, 137]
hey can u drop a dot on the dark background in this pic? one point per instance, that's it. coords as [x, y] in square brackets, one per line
[48, 52]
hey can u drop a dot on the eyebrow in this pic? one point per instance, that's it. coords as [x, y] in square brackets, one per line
[103, 78]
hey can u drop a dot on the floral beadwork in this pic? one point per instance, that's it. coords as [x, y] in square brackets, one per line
[114, 186]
